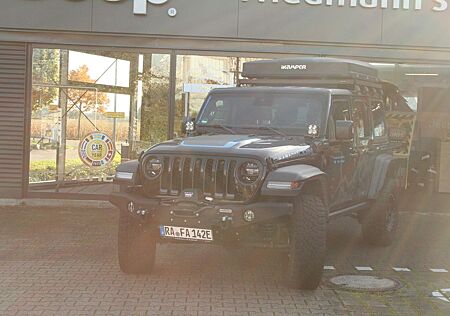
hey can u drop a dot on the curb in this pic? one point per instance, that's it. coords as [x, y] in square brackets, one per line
[56, 203]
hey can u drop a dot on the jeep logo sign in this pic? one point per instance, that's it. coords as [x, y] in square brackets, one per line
[438, 5]
[293, 67]
[140, 6]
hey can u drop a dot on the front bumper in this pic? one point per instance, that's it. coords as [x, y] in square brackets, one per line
[197, 214]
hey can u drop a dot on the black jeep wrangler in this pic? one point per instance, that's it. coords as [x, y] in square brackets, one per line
[268, 164]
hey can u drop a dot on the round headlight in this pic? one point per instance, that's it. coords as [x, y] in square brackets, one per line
[153, 168]
[249, 172]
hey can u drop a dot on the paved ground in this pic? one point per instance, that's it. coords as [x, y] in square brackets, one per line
[56, 262]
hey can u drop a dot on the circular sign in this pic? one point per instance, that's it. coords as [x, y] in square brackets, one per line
[96, 149]
[172, 12]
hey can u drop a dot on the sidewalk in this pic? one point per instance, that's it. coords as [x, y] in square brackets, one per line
[57, 261]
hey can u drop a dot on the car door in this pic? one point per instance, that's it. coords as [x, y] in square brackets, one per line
[342, 158]
[363, 149]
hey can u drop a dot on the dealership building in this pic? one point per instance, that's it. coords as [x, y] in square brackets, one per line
[132, 69]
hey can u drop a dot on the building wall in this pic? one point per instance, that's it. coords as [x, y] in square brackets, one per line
[309, 26]
[13, 126]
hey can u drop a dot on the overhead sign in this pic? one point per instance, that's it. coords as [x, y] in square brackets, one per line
[140, 6]
[116, 115]
[96, 150]
[439, 5]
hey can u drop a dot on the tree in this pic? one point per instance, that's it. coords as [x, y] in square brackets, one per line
[86, 100]
[45, 72]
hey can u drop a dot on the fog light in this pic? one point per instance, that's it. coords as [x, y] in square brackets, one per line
[131, 207]
[249, 216]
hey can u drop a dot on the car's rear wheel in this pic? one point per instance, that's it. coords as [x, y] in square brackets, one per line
[136, 246]
[307, 243]
[380, 223]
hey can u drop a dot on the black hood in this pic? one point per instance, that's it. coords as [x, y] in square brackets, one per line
[260, 147]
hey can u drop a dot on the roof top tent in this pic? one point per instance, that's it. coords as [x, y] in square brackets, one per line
[315, 71]
[311, 67]
[359, 77]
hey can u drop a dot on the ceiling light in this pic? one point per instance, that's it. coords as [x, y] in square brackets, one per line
[429, 75]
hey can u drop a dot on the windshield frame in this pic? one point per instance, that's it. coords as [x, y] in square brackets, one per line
[265, 129]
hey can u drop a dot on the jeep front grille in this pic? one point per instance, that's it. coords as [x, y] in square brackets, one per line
[213, 177]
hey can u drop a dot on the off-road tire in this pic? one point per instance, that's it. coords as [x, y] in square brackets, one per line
[308, 233]
[136, 246]
[380, 223]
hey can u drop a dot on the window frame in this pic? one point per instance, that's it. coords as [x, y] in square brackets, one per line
[337, 98]
[367, 120]
[385, 137]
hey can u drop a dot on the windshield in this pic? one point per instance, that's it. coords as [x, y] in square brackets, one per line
[292, 113]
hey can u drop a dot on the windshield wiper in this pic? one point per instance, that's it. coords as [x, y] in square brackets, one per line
[224, 127]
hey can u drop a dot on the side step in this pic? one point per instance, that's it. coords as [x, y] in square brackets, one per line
[349, 210]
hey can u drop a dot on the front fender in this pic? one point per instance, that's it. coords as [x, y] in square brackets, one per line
[279, 181]
[127, 173]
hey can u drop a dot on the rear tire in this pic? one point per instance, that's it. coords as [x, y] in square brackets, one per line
[136, 246]
[307, 243]
[380, 223]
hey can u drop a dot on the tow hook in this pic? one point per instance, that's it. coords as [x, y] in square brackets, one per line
[141, 214]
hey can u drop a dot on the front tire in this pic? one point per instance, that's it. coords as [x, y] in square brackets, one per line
[136, 246]
[308, 234]
[380, 223]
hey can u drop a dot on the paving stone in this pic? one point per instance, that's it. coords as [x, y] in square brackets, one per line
[63, 262]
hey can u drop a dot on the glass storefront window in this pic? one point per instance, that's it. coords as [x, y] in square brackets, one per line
[122, 95]
[45, 116]
[154, 89]
[196, 76]
[110, 71]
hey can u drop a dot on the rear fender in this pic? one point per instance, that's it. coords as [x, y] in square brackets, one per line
[386, 167]
[310, 180]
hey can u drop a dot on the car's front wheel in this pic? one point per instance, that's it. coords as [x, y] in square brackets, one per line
[308, 233]
[136, 246]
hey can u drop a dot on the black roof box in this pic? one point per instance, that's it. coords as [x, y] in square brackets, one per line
[310, 67]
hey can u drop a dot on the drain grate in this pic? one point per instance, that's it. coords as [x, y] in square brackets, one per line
[364, 283]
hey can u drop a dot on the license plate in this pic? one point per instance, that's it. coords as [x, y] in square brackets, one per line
[186, 233]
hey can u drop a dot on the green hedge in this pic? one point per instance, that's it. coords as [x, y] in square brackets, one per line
[45, 170]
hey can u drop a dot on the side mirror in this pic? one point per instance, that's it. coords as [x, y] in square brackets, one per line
[188, 125]
[345, 130]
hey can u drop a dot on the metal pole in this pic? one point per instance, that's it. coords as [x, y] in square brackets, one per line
[186, 104]
[134, 75]
[115, 106]
[61, 156]
[172, 93]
